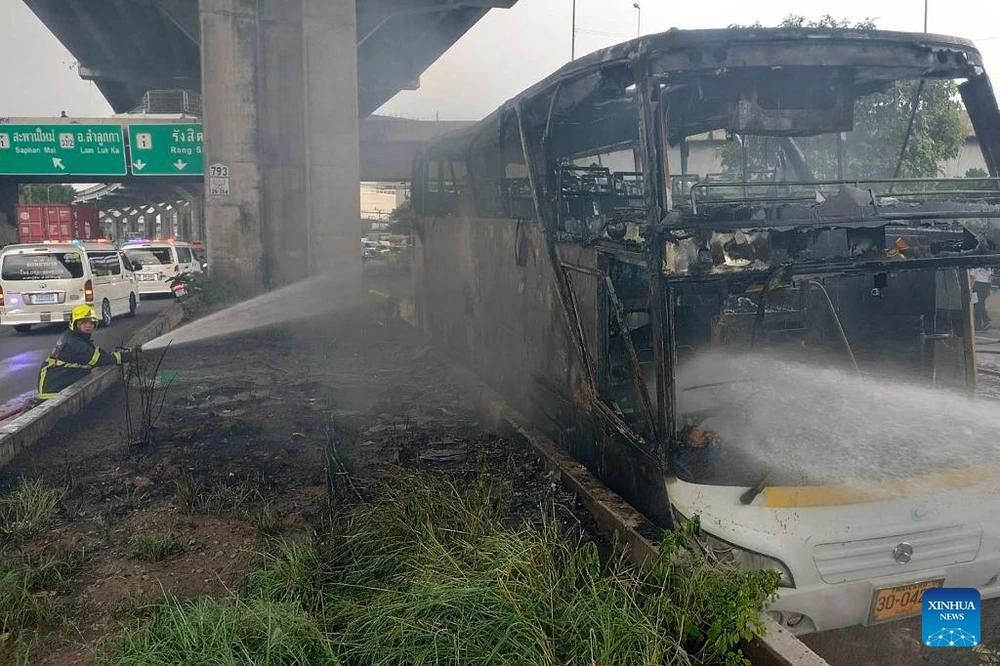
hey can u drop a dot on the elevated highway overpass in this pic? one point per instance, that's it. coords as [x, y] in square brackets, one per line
[283, 84]
[127, 47]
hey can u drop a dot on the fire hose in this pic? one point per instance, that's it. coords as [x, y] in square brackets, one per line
[34, 401]
[6, 415]
[14, 412]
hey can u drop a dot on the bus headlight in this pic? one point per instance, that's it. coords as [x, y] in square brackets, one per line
[727, 554]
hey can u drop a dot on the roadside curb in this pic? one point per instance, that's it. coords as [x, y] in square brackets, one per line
[614, 516]
[21, 432]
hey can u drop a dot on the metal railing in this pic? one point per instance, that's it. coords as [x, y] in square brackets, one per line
[170, 101]
[801, 191]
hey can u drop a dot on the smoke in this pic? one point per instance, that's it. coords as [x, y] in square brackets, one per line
[315, 296]
[803, 424]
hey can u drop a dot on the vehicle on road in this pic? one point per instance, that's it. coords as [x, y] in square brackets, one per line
[42, 283]
[369, 249]
[742, 350]
[200, 254]
[158, 262]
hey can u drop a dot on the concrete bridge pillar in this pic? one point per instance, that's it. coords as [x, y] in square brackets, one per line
[137, 221]
[111, 220]
[164, 220]
[183, 220]
[197, 205]
[117, 223]
[169, 221]
[131, 219]
[279, 86]
[151, 219]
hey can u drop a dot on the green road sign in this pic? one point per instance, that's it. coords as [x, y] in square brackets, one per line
[62, 150]
[166, 150]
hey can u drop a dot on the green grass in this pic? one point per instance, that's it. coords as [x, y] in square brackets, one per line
[265, 519]
[245, 499]
[30, 601]
[222, 632]
[430, 572]
[192, 496]
[154, 547]
[27, 510]
[130, 500]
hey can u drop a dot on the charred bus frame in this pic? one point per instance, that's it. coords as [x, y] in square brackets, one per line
[518, 280]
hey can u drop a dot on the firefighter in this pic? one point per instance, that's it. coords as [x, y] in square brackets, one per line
[75, 355]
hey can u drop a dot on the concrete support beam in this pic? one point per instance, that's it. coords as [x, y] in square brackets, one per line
[182, 14]
[173, 220]
[184, 220]
[198, 218]
[279, 81]
[163, 216]
[132, 220]
[331, 77]
[111, 218]
[118, 224]
[229, 33]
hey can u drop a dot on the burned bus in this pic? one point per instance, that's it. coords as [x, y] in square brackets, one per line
[785, 353]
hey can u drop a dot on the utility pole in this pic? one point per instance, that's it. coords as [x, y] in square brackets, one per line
[638, 20]
[925, 15]
[572, 43]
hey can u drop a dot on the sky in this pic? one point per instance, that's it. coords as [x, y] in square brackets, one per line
[507, 51]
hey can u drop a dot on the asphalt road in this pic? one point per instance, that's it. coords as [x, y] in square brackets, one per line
[900, 643]
[21, 354]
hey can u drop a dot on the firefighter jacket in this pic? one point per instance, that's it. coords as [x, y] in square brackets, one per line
[72, 359]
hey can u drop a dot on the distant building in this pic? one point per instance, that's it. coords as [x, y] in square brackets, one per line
[378, 200]
[970, 156]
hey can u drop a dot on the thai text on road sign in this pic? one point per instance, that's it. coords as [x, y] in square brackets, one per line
[166, 150]
[64, 150]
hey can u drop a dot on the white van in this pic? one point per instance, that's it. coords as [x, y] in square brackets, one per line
[43, 282]
[158, 261]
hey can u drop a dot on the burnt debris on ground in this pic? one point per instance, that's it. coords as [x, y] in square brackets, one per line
[260, 434]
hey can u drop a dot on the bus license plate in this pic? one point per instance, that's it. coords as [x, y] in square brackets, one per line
[892, 603]
[43, 299]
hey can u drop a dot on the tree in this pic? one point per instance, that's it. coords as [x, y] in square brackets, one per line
[45, 194]
[401, 218]
[881, 121]
[974, 172]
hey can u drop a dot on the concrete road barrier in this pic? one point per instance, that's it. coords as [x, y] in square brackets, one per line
[19, 433]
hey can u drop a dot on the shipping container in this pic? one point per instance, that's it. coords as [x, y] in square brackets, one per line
[57, 222]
